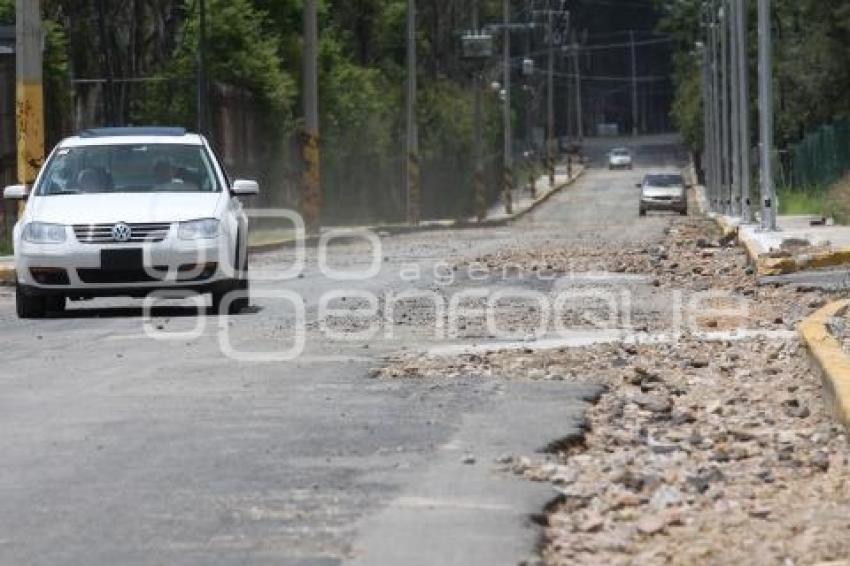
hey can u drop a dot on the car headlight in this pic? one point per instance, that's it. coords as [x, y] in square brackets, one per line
[43, 233]
[199, 229]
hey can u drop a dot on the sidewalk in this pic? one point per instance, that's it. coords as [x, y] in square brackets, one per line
[797, 245]
[525, 203]
[271, 240]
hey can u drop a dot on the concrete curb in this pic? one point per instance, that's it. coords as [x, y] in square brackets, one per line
[784, 265]
[766, 266]
[763, 264]
[7, 275]
[830, 359]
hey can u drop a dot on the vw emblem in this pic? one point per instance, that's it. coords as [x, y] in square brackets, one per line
[121, 232]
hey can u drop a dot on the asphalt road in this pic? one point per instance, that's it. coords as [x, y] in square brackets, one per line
[125, 442]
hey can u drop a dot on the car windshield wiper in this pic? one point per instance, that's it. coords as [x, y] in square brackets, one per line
[63, 192]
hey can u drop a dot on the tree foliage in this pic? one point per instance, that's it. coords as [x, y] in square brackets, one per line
[811, 64]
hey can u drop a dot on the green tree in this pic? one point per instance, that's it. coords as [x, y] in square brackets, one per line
[239, 54]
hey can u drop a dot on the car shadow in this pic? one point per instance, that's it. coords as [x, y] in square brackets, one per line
[139, 312]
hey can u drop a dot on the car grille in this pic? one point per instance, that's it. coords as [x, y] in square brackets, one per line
[102, 233]
[98, 276]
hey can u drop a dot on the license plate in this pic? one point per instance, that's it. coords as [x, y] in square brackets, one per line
[121, 260]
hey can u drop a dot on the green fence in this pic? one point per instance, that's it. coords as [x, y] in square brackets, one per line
[819, 160]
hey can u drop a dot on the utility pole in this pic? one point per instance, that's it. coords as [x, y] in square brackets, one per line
[480, 187]
[768, 189]
[413, 187]
[579, 109]
[744, 117]
[30, 90]
[634, 85]
[508, 173]
[311, 181]
[202, 67]
[550, 95]
[732, 28]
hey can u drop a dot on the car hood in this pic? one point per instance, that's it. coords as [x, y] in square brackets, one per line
[124, 207]
[663, 191]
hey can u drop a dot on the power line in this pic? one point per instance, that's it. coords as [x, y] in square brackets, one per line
[645, 78]
[598, 47]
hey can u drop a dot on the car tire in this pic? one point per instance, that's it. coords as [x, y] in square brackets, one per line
[683, 212]
[29, 306]
[241, 286]
[642, 212]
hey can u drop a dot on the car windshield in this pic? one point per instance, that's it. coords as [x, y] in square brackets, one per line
[664, 181]
[620, 152]
[129, 168]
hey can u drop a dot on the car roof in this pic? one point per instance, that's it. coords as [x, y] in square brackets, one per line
[132, 136]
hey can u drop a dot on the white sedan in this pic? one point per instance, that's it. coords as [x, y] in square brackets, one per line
[128, 212]
[619, 158]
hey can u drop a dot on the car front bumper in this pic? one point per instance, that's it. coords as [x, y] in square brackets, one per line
[677, 205]
[76, 268]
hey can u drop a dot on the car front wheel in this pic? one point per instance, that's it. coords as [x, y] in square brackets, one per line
[241, 290]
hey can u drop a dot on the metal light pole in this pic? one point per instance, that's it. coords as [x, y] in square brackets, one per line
[550, 95]
[413, 187]
[702, 49]
[725, 121]
[508, 172]
[768, 189]
[716, 114]
[634, 84]
[734, 75]
[311, 179]
[479, 186]
[744, 117]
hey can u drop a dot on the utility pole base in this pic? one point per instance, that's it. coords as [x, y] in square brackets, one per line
[311, 183]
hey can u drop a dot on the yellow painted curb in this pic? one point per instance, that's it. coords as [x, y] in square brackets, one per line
[784, 265]
[7, 275]
[830, 359]
[726, 227]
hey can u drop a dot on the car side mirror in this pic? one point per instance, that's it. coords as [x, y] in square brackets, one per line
[639, 185]
[244, 188]
[16, 192]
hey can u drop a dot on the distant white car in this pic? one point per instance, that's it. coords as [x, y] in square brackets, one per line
[620, 158]
[663, 191]
[129, 211]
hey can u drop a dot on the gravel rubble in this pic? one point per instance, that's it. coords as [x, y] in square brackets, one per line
[708, 452]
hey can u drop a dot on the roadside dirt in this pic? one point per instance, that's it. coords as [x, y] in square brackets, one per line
[713, 449]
